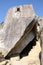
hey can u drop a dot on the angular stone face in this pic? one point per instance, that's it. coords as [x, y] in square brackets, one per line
[15, 25]
[22, 43]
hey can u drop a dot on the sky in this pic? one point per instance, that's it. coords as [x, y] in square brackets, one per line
[6, 4]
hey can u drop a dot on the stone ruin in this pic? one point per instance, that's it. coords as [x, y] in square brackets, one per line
[19, 32]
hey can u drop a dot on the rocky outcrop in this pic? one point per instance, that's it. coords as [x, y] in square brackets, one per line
[31, 59]
[17, 26]
[21, 27]
[41, 28]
